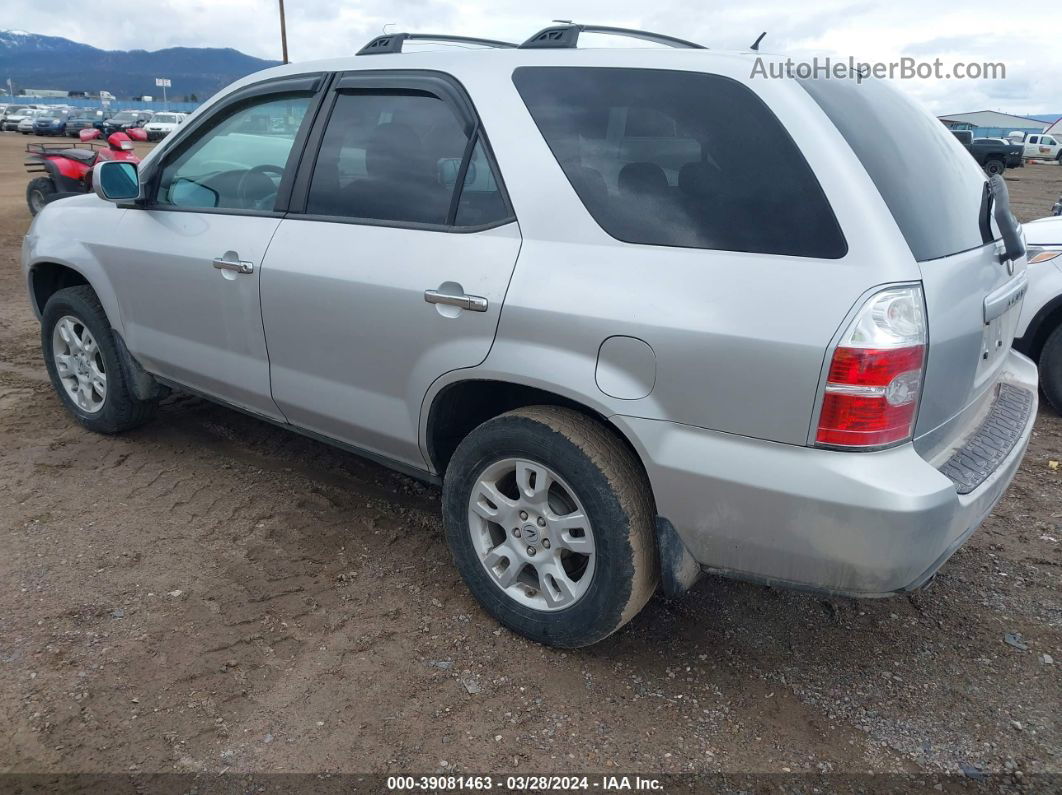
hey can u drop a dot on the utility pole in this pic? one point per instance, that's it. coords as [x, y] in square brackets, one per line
[283, 32]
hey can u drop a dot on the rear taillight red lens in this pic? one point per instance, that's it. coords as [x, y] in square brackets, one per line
[875, 377]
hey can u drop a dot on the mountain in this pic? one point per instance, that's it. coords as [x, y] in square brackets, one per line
[34, 61]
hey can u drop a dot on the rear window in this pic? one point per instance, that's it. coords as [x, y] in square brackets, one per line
[680, 159]
[931, 185]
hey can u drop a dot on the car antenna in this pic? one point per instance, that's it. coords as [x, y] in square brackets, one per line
[756, 44]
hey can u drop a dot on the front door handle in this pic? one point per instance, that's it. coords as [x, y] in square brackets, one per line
[238, 265]
[473, 303]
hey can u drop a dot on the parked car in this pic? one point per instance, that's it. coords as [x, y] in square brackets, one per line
[776, 368]
[5, 110]
[82, 120]
[12, 111]
[1038, 146]
[29, 118]
[123, 120]
[51, 122]
[13, 119]
[1057, 208]
[162, 124]
[1039, 332]
[994, 155]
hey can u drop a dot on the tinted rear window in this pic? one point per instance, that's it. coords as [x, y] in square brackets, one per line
[680, 159]
[932, 186]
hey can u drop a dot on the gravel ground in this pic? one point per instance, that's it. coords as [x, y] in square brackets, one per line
[210, 593]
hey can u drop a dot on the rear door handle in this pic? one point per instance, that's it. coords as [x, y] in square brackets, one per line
[239, 265]
[473, 303]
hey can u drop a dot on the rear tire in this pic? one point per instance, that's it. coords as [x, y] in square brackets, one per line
[590, 475]
[1050, 365]
[38, 192]
[85, 366]
[995, 167]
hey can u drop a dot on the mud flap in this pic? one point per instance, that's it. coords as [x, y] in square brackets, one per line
[678, 570]
[143, 384]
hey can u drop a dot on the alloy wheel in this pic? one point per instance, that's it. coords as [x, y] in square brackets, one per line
[79, 364]
[532, 534]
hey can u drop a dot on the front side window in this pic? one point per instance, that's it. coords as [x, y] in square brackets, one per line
[680, 159]
[238, 162]
[397, 157]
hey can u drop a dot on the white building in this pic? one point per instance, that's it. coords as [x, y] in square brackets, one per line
[992, 124]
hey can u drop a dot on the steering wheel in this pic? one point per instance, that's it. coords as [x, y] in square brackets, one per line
[254, 180]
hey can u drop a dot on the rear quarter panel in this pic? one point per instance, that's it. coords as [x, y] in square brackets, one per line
[739, 339]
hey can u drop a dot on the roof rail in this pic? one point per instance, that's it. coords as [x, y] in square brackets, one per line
[392, 42]
[566, 36]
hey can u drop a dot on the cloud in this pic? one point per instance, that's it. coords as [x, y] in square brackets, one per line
[953, 30]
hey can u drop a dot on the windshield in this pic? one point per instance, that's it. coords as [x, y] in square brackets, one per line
[164, 118]
[931, 185]
[124, 116]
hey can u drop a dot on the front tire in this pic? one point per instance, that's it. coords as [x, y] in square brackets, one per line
[550, 519]
[1050, 365]
[38, 193]
[85, 366]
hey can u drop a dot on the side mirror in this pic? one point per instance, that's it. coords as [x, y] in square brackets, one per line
[116, 181]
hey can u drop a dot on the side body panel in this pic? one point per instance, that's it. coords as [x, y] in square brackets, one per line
[76, 232]
[739, 339]
[186, 320]
[353, 344]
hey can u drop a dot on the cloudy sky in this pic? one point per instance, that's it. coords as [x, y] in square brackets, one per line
[968, 31]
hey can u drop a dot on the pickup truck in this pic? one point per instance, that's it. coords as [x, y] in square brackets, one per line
[1039, 146]
[994, 155]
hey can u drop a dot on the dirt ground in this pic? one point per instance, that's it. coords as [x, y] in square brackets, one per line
[211, 593]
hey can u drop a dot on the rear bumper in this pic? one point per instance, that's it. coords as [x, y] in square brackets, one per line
[858, 524]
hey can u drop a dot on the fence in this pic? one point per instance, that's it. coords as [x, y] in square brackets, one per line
[116, 104]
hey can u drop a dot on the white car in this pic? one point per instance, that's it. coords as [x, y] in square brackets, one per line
[25, 125]
[162, 124]
[1039, 332]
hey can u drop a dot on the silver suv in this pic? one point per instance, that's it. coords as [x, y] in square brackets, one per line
[641, 314]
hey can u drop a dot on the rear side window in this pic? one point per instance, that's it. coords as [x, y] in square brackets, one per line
[680, 159]
[397, 157]
[931, 185]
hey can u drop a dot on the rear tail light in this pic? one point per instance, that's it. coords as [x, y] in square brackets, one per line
[875, 377]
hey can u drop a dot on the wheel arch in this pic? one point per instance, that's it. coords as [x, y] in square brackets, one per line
[48, 275]
[1040, 327]
[63, 183]
[455, 408]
